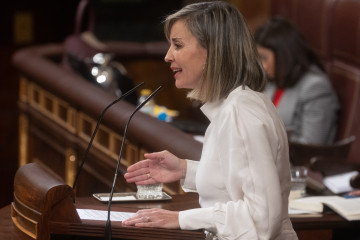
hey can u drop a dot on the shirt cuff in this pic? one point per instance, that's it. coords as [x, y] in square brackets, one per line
[198, 218]
[188, 184]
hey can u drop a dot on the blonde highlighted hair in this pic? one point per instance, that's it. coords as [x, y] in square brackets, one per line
[232, 58]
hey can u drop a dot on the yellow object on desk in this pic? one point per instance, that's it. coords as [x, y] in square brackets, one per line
[164, 113]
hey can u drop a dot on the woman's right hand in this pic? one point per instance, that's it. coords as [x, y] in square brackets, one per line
[157, 167]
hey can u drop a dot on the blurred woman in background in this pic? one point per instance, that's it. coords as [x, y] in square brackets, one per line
[298, 84]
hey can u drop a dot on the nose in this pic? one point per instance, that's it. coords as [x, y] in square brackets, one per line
[168, 57]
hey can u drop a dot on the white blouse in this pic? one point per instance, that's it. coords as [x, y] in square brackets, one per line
[243, 176]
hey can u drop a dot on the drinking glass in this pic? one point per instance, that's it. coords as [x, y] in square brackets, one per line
[298, 180]
[149, 191]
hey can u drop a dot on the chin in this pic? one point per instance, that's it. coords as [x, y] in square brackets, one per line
[178, 84]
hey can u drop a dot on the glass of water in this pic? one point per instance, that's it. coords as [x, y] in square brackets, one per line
[149, 191]
[298, 180]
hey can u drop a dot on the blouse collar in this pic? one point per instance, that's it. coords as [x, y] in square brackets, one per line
[210, 109]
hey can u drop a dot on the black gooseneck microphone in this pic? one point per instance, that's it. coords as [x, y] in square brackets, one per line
[97, 127]
[108, 222]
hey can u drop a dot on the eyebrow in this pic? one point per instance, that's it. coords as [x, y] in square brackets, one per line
[175, 39]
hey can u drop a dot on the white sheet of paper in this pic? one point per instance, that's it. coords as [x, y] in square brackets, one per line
[340, 183]
[292, 211]
[120, 198]
[92, 214]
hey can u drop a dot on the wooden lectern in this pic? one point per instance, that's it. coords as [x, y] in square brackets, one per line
[43, 207]
[40, 196]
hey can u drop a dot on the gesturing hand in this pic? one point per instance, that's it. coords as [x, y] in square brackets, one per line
[157, 167]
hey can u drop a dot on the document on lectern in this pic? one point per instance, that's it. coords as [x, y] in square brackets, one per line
[347, 208]
[91, 214]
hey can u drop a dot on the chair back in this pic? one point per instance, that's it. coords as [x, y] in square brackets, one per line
[332, 29]
[327, 159]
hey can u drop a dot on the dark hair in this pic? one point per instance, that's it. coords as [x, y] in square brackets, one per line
[293, 57]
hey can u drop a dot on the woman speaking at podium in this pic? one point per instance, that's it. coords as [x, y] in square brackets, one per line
[243, 176]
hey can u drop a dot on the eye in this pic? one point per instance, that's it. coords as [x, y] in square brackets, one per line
[177, 46]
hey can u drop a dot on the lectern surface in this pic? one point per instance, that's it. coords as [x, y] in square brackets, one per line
[89, 229]
[95, 228]
[326, 226]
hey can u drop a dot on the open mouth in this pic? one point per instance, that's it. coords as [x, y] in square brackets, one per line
[176, 72]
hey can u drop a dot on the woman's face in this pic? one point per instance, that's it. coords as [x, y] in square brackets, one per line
[186, 57]
[268, 61]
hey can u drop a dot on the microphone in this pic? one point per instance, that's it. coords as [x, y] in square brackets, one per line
[97, 127]
[108, 222]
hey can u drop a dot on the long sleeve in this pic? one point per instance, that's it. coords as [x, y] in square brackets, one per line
[188, 184]
[243, 174]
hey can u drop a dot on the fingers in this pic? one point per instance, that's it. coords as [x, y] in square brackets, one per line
[138, 166]
[140, 177]
[139, 221]
[156, 155]
[145, 182]
[354, 193]
[142, 218]
[138, 172]
[154, 218]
